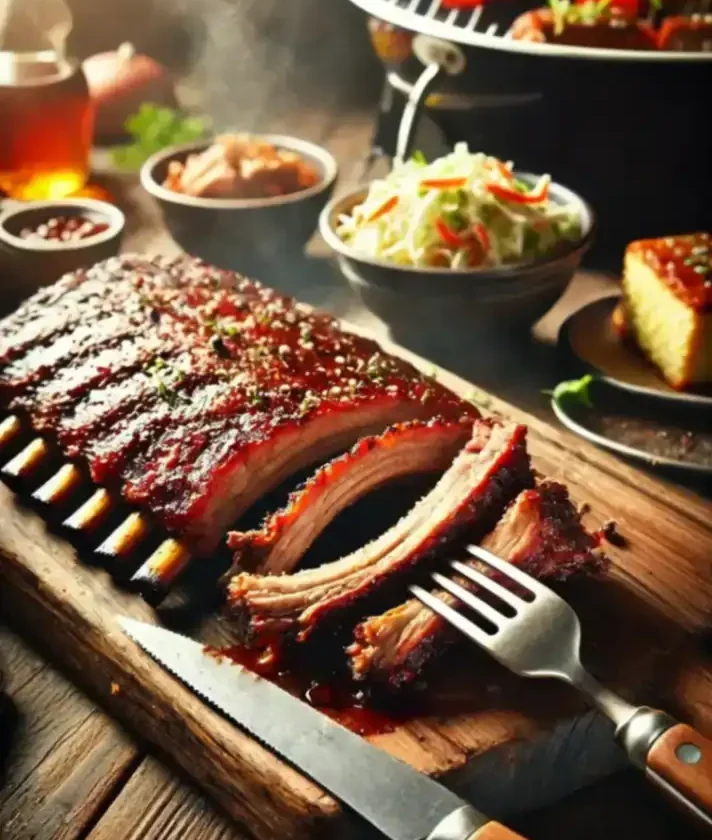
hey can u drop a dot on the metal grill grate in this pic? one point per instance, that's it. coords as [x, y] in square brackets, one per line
[467, 27]
[432, 18]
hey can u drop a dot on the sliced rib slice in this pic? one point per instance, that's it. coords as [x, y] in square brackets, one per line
[472, 493]
[405, 449]
[541, 532]
[200, 477]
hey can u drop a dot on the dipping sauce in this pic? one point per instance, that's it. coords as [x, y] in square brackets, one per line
[241, 166]
[65, 229]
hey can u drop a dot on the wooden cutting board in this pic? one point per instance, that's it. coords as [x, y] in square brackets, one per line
[507, 743]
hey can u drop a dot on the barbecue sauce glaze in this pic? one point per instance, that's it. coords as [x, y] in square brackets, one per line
[344, 703]
[683, 263]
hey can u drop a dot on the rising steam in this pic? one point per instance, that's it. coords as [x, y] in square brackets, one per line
[255, 60]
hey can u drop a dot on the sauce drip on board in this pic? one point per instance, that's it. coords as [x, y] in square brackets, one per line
[344, 703]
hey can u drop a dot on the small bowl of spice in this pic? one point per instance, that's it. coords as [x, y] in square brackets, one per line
[40, 241]
[242, 201]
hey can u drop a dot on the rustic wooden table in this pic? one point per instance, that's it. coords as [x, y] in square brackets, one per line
[70, 772]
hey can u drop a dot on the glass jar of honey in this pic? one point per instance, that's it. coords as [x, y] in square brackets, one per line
[46, 125]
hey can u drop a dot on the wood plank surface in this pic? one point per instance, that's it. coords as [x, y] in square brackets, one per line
[67, 758]
[173, 810]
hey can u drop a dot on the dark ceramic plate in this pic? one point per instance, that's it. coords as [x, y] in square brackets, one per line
[671, 436]
[589, 335]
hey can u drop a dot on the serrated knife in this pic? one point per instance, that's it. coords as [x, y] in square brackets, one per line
[400, 802]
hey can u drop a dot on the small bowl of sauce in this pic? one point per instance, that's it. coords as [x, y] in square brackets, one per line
[41, 241]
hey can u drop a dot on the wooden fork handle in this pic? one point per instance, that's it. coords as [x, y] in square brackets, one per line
[468, 824]
[495, 831]
[683, 758]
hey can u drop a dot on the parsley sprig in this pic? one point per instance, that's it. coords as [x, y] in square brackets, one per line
[153, 128]
[576, 389]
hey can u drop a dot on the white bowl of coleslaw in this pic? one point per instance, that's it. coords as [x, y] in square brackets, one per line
[465, 233]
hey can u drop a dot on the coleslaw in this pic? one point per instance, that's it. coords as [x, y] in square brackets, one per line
[463, 210]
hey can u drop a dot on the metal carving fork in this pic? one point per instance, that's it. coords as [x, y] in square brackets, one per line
[539, 635]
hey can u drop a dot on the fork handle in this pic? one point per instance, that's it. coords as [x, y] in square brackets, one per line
[468, 824]
[682, 758]
[495, 831]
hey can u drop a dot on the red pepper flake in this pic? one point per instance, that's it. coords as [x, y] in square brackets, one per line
[503, 170]
[443, 183]
[386, 207]
[483, 236]
[448, 235]
[515, 197]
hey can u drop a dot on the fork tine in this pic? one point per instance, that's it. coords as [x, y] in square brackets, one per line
[469, 598]
[488, 583]
[452, 616]
[507, 569]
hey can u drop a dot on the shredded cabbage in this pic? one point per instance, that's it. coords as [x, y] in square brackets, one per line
[462, 210]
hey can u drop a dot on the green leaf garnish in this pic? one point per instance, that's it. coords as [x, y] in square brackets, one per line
[576, 389]
[153, 128]
[564, 11]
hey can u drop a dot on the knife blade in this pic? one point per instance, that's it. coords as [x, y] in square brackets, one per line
[400, 802]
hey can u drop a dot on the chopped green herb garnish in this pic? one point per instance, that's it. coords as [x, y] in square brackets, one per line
[164, 379]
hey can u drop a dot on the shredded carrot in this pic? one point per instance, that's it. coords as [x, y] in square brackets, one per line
[386, 207]
[443, 183]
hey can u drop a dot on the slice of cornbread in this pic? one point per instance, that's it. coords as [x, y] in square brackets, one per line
[667, 304]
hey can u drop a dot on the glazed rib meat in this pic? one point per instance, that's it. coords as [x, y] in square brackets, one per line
[405, 449]
[541, 532]
[195, 391]
[472, 494]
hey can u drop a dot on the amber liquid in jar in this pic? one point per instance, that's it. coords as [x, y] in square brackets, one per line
[46, 126]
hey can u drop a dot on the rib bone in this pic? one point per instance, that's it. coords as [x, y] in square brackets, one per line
[133, 530]
[56, 489]
[92, 513]
[9, 429]
[27, 461]
[163, 566]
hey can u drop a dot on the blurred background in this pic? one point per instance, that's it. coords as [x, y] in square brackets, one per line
[252, 60]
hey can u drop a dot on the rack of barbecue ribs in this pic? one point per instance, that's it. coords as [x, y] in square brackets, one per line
[190, 392]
